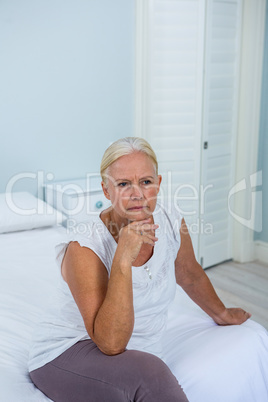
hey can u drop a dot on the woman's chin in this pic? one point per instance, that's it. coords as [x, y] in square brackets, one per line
[138, 215]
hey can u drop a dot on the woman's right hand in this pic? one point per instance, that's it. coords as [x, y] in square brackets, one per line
[133, 236]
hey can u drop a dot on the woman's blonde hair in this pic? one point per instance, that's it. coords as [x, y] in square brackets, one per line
[126, 146]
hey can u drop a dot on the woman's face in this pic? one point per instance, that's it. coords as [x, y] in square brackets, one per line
[132, 186]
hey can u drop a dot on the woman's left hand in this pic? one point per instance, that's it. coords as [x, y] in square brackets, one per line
[232, 316]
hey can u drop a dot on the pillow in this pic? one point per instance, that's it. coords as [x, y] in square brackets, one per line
[23, 211]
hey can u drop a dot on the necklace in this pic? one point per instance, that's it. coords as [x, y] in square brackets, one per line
[147, 269]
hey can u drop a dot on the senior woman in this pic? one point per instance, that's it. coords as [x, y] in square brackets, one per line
[103, 337]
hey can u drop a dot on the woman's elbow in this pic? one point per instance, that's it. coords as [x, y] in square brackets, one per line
[188, 274]
[107, 345]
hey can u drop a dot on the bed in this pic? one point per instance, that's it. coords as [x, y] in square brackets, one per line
[203, 355]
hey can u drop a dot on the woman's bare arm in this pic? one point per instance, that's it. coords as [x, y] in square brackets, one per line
[106, 304]
[193, 279]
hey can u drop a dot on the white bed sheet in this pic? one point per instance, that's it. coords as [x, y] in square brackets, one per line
[216, 363]
[202, 355]
[27, 273]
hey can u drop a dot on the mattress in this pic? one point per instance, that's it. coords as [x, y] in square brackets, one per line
[212, 363]
[27, 274]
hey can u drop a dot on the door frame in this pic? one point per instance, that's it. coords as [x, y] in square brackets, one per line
[253, 32]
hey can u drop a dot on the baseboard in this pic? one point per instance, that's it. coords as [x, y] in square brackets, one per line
[261, 251]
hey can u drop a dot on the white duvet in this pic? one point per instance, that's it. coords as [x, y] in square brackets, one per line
[212, 363]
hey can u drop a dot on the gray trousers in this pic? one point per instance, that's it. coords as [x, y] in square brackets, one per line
[84, 374]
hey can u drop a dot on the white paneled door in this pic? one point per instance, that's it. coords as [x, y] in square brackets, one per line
[187, 80]
[175, 77]
[220, 111]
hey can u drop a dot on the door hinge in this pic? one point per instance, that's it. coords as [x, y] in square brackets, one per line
[205, 145]
[202, 261]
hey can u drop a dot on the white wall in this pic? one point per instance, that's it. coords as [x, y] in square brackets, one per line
[66, 85]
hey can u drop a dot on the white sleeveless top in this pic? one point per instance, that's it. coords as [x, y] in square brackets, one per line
[154, 286]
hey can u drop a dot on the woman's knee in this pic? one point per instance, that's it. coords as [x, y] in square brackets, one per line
[154, 380]
[146, 364]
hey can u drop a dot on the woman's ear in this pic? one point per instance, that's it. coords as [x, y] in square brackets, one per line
[159, 177]
[105, 190]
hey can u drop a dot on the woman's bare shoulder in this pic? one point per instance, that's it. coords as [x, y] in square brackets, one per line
[82, 261]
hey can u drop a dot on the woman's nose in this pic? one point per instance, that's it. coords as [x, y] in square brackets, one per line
[136, 192]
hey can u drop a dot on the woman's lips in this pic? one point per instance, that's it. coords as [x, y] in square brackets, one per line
[135, 208]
